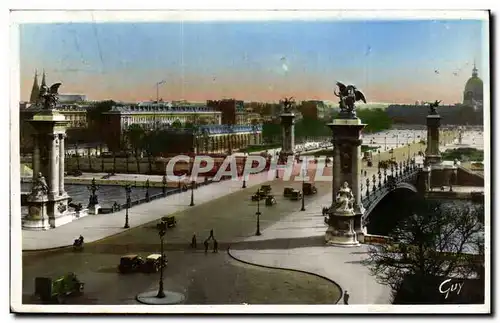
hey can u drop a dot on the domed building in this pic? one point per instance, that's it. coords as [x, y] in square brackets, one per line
[473, 93]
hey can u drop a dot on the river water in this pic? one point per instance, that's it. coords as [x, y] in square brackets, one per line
[107, 195]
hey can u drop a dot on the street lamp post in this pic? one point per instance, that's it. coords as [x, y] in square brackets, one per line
[303, 177]
[192, 193]
[128, 190]
[162, 226]
[164, 184]
[244, 178]
[147, 190]
[93, 188]
[385, 143]
[257, 233]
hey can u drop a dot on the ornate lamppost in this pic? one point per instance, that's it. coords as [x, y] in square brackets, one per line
[162, 229]
[257, 233]
[128, 190]
[164, 184]
[93, 188]
[244, 178]
[193, 183]
[303, 177]
[147, 185]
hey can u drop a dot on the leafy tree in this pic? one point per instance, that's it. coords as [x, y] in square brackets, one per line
[271, 132]
[135, 135]
[431, 240]
[176, 124]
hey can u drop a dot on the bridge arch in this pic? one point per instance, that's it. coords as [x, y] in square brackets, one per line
[381, 212]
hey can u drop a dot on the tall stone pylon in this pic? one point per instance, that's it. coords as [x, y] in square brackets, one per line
[48, 202]
[288, 129]
[345, 221]
[432, 153]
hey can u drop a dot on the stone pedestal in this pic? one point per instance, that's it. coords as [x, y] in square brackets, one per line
[432, 153]
[94, 209]
[288, 134]
[347, 168]
[341, 231]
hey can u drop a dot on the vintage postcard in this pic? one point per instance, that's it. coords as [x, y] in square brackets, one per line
[274, 161]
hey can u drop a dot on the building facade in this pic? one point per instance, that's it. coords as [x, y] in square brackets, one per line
[313, 109]
[232, 111]
[212, 139]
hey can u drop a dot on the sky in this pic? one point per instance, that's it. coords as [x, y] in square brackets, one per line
[398, 61]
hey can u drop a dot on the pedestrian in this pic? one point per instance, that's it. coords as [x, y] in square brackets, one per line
[193, 241]
[216, 245]
[211, 234]
[206, 246]
[346, 298]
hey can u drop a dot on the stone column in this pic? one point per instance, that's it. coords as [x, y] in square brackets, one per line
[356, 172]
[36, 157]
[336, 174]
[61, 163]
[54, 172]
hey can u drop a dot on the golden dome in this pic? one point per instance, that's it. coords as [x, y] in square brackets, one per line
[473, 88]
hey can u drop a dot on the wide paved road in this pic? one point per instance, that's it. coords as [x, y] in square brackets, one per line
[202, 278]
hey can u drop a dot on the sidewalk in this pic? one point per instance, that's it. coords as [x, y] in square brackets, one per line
[96, 227]
[342, 265]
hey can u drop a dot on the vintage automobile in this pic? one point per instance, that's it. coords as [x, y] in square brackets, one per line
[55, 291]
[152, 264]
[296, 195]
[287, 192]
[309, 189]
[270, 200]
[130, 264]
[266, 189]
[260, 195]
[169, 220]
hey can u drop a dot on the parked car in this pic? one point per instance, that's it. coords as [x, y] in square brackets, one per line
[153, 262]
[266, 189]
[270, 200]
[169, 220]
[287, 192]
[260, 195]
[309, 189]
[130, 264]
[55, 291]
[296, 195]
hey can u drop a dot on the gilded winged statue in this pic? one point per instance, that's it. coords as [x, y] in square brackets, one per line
[348, 95]
[48, 96]
[433, 107]
[288, 104]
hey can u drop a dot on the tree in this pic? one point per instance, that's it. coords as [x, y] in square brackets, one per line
[135, 135]
[271, 131]
[176, 124]
[431, 240]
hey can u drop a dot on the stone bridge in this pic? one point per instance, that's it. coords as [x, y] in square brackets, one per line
[403, 176]
[409, 176]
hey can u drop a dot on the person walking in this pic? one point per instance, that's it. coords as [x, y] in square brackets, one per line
[216, 246]
[193, 241]
[346, 298]
[206, 246]
[211, 236]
